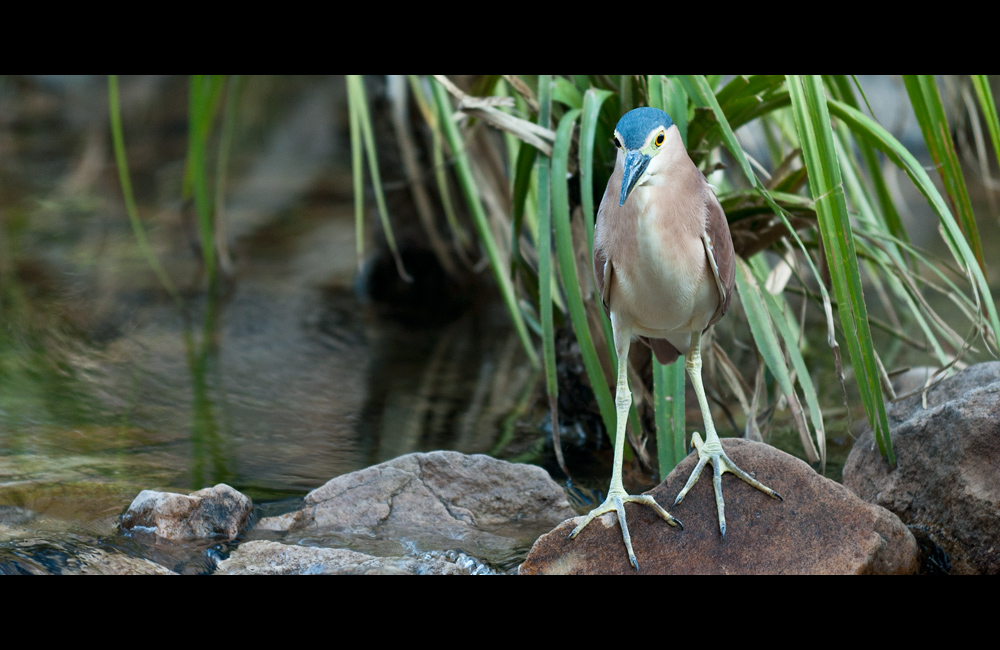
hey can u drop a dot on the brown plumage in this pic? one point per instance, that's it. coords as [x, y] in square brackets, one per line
[693, 209]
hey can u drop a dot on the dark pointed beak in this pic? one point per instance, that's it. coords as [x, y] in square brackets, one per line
[635, 165]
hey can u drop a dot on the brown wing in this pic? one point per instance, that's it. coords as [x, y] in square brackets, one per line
[721, 251]
[603, 267]
[600, 267]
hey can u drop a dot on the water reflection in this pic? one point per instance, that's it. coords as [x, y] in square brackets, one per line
[274, 383]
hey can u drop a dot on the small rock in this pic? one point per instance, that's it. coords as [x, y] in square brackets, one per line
[819, 528]
[273, 558]
[219, 512]
[946, 483]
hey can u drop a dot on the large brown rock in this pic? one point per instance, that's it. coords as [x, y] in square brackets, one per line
[819, 528]
[946, 483]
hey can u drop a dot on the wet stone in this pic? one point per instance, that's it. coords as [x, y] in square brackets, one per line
[219, 512]
[438, 501]
[945, 485]
[273, 558]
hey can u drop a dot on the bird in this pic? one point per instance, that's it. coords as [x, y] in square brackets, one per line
[665, 269]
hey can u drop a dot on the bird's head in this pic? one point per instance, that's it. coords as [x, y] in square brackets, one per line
[641, 135]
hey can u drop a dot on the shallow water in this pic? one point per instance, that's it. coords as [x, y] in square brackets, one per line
[293, 375]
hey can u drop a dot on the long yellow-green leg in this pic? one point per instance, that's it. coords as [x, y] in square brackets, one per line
[711, 450]
[617, 496]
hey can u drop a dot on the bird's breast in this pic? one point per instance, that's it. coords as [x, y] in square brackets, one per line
[663, 278]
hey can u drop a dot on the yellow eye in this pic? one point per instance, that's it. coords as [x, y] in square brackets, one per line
[659, 138]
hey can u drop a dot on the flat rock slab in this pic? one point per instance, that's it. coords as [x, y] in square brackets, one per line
[489, 508]
[274, 558]
[819, 528]
[946, 483]
[214, 513]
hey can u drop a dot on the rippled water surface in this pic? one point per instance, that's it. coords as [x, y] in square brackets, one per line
[300, 370]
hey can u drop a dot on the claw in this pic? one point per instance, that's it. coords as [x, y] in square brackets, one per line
[616, 503]
[711, 452]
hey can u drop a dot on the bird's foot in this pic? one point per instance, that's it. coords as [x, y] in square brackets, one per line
[711, 452]
[616, 503]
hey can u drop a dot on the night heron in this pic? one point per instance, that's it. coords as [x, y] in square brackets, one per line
[665, 270]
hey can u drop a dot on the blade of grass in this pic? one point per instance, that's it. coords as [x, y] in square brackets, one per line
[593, 100]
[700, 91]
[886, 262]
[888, 213]
[778, 311]
[472, 200]
[903, 286]
[526, 179]
[675, 103]
[205, 95]
[460, 238]
[222, 163]
[989, 109]
[812, 119]
[762, 326]
[399, 101]
[567, 270]
[358, 175]
[121, 159]
[565, 92]
[731, 375]
[866, 128]
[671, 427]
[542, 166]
[361, 125]
[927, 106]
